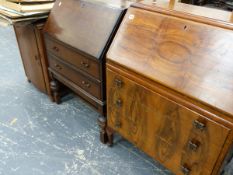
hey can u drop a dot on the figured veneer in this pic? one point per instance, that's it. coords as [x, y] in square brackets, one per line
[169, 86]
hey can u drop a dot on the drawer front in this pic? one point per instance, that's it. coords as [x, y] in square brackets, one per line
[182, 140]
[81, 62]
[89, 86]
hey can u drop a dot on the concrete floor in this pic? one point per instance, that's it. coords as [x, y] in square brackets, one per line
[38, 137]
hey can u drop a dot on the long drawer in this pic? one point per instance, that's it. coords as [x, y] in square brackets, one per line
[81, 62]
[181, 139]
[93, 88]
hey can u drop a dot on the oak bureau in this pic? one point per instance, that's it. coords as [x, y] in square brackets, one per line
[170, 85]
[77, 36]
[29, 35]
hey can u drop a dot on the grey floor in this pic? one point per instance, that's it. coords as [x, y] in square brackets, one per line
[39, 137]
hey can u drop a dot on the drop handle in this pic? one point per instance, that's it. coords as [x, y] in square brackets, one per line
[58, 66]
[84, 64]
[86, 84]
[193, 145]
[185, 170]
[119, 103]
[118, 83]
[117, 124]
[37, 60]
[199, 125]
[56, 49]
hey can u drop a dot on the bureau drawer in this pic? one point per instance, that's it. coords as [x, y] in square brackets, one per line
[74, 58]
[181, 139]
[93, 88]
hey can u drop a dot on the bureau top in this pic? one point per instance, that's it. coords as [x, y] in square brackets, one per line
[84, 25]
[187, 11]
[189, 56]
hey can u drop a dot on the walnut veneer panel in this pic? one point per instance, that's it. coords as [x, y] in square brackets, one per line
[170, 86]
[162, 128]
[192, 58]
[83, 24]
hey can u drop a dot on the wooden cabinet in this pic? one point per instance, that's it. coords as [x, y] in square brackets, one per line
[181, 139]
[169, 87]
[77, 36]
[30, 42]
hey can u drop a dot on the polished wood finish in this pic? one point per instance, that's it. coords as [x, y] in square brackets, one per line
[188, 57]
[85, 22]
[169, 87]
[90, 86]
[77, 36]
[29, 35]
[171, 133]
[73, 57]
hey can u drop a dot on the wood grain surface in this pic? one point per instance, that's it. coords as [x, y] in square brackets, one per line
[191, 58]
[169, 85]
[162, 128]
[86, 19]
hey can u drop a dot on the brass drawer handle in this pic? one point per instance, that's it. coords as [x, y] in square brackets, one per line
[193, 145]
[119, 103]
[118, 83]
[185, 170]
[117, 124]
[58, 66]
[86, 65]
[199, 125]
[86, 84]
[56, 49]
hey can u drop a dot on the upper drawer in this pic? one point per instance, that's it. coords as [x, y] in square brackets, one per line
[181, 139]
[72, 57]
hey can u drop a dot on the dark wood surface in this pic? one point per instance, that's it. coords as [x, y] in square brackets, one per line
[90, 66]
[77, 36]
[90, 86]
[90, 23]
[169, 86]
[31, 45]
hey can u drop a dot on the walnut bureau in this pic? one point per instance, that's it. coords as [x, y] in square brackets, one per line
[77, 36]
[170, 85]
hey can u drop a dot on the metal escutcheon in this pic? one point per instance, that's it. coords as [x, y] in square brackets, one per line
[199, 125]
[185, 170]
[193, 145]
[118, 83]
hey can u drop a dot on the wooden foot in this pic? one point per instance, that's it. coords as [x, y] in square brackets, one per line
[110, 134]
[102, 122]
[54, 85]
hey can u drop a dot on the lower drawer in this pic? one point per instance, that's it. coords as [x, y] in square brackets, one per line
[181, 139]
[93, 88]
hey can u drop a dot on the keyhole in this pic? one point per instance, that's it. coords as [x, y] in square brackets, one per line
[185, 27]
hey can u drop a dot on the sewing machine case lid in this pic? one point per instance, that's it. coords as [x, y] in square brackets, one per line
[190, 54]
[84, 25]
